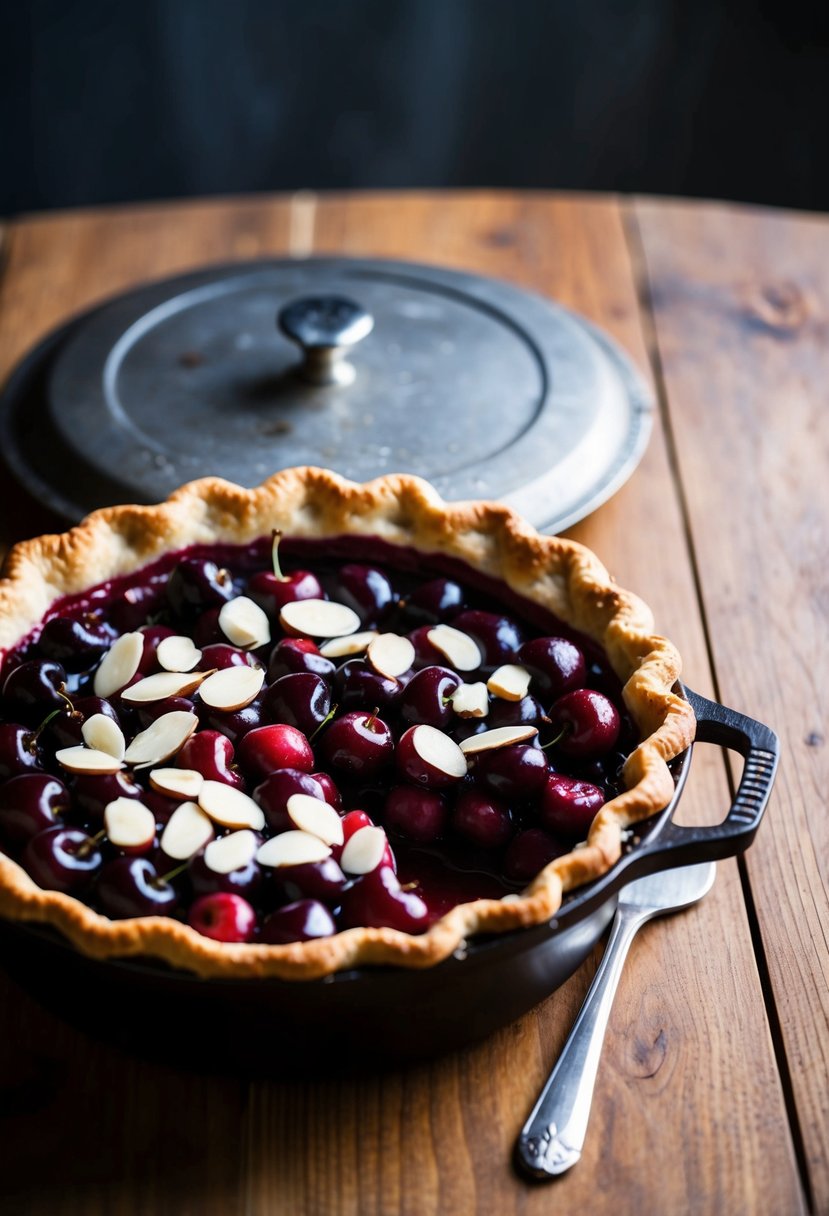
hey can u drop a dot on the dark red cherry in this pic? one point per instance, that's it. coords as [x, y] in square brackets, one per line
[245, 880]
[66, 730]
[498, 637]
[428, 757]
[358, 743]
[302, 921]
[418, 814]
[75, 642]
[353, 821]
[322, 880]
[482, 819]
[269, 748]
[137, 606]
[132, 886]
[329, 790]
[302, 700]
[427, 697]
[273, 793]
[94, 791]
[298, 654]
[555, 665]
[526, 712]
[272, 592]
[62, 859]
[365, 589]
[20, 751]
[569, 806]
[426, 655]
[195, 585]
[32, 690]
[378, 901]
[515, 773]
[589, 724]
[236, 724]
[153, 635]
[435, 602]
[357, 685]
[207, 631]
[219, 656]
[147, 712]
[223, 916]
[528, 853]
[210, 753]
[29, 804]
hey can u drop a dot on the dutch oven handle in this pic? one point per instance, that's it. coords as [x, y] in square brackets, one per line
[680, 846]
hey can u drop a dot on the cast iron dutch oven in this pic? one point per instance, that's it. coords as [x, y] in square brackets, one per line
[386, 1015]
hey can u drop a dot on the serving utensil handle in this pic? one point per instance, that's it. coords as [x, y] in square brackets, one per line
[552, 1139]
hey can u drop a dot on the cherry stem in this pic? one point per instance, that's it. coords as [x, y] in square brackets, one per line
[565, 730]
[33, 736]
[88, 845]
[276, 537]
[324, 722]
[171, 874]
[73, 712]
[370, 721]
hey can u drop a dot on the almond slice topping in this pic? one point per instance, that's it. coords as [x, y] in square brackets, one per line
[437, 749]
[470, 701]
[162, 738]
[501, 736]
[162, 685]
[353, 643]
[244, 623]
[311, 815]
[230, 807]
[105, 735]
[510, 682]
[364, 851]
[230, 852]
[87, 760]
[292, 849]
[461, 651]
[177, 782]
[129, 824]
[391, 655]
[119, 664]
[188, 830]
[233, 687]
[177, 653]
[318, 619]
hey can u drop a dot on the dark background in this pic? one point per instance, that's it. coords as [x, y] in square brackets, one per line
[108, 101]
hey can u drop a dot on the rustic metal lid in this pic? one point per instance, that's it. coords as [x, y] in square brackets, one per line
[374, 367]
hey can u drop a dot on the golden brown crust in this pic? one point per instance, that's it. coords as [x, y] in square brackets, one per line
[558, 574]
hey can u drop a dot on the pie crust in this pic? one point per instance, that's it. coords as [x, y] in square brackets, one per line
[564, 577]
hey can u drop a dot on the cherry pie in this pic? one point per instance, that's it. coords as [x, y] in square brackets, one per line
[290, 730]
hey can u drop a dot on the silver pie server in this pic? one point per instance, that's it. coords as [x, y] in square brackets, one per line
[552, 1139]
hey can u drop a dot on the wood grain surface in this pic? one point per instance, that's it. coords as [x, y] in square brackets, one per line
[690, 1111]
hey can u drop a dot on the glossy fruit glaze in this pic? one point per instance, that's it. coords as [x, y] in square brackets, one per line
[250, 837]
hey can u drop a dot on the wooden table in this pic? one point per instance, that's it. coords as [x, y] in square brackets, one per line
[713, 1094]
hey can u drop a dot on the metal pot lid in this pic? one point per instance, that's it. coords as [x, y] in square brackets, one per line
[363, 366]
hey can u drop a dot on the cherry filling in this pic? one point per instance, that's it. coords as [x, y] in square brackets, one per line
[276, 742]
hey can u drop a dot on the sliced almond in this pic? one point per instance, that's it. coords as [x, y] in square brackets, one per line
[292, 849]
[318, 619]
[233, 687]
[119, 664]
[177, 653]
[364, 851]
[102, 733]
[344, 648]
[230, 807]
[188, 830]
[317, 817]
[510, 682]
[438, 750]
[470, 701]
[129, 824]
[244, 623]
[230, 852]
[162, 738]
[87, 760]
[391, 655]
[162, 685]
[459, 649]
[501, 736]
[177, 782]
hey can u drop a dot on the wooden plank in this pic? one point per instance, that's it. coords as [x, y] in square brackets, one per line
[741, 298]
[675, 1124]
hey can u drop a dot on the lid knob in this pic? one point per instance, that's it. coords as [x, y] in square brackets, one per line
[326, 327]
